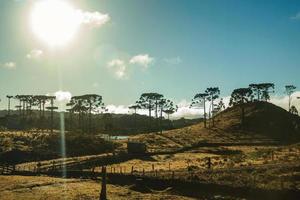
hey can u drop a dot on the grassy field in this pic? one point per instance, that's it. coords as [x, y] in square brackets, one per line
[42, 188]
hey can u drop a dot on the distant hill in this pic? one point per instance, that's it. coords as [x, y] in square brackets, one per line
[261, 118]
[264, 123]
[109, 123]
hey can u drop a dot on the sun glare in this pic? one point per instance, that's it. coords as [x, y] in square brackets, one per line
[54, 21]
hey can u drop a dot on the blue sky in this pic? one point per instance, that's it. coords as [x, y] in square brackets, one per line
[177, 48]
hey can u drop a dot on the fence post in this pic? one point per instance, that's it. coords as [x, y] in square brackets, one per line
[173, 175]
[209, 163]
[143, 172]
[103, 186]
[131, 170]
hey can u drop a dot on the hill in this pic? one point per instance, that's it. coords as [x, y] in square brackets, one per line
[264, 123]
[261, 118]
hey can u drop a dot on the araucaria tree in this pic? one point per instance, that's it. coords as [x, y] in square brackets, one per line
[77, 107]
[150, 102]
[262, 90]
[267, 88]
[294, 110]
[199, 101]
[88, 103]
[241, 96]
[213, 94]
[166, 106]
[8, 107]
[51, 108]
[290, 89]
[92, 103]
[135, 107]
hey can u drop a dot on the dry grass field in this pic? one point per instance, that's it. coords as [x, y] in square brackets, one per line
[42, 188]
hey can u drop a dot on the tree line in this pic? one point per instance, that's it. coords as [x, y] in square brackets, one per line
[81, 108]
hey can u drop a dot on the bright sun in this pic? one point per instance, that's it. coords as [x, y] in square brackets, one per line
[54, 21]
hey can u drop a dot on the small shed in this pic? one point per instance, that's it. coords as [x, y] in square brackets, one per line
[136, 147]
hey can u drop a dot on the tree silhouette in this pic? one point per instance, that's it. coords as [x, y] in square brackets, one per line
[77, 106]
[199, 100]
[19, 107]
[22, 100]
[213, 94]
[266, 88]
[220, 106]
[241, 96]
[51, 108]
[294, 110]
[290, 89]
[135, 107]
[150, 102]
[166, 106]
[87, 103]
[262, 90]
[92, 102]
[256, 90]
[40, 101]
[8, 107]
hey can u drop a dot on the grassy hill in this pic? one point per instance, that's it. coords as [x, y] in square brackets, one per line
[262, 118]
[264, 122]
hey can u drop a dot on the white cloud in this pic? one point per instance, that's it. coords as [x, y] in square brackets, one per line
[296, 17]
[173, 61]
[117, 109]
[283, 101]
[35, 54]
[142, 59]
[95, 19]
[119, 68]
[63, 96]
[9, 65]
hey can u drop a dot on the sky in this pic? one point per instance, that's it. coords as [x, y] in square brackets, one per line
[178, 48]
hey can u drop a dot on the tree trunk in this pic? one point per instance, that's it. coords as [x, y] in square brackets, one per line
[212, 112]
[289, 103]
[160, 121]
[8, 109]
[204, 112]
[90, 118]
[242, 114]
[103, 186]
[52, 116]
[150, 114]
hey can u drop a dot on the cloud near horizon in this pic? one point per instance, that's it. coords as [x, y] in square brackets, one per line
[63, 96]
[185, 111]
[9, 65]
